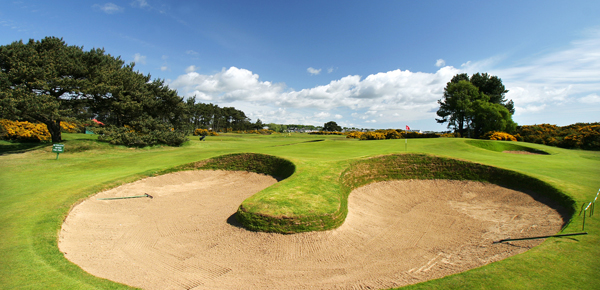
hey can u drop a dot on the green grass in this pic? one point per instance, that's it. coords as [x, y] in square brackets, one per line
[37, 191]
[501, 146]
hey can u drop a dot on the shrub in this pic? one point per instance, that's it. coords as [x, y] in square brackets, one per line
[392, 134]
[492, 135]
[450, 135]
[205, 132]
[128, 137]
[23, 131]
[372, 136]
[71, 127]
[575, 136]
[261, 132]
[420, 135]
[354, 134]
[140, 133]
[326, 133]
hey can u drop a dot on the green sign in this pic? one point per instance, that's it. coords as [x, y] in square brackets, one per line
[58, 148]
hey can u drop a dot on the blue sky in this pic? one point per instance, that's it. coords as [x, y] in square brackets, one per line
[366, 64]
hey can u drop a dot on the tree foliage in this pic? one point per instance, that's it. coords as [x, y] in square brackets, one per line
[51, 82]
[331, 126]
[210, 116]
[475, 106]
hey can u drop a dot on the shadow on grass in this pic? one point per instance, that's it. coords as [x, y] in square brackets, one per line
[8, 147]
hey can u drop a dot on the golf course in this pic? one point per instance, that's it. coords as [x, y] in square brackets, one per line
[300, 190]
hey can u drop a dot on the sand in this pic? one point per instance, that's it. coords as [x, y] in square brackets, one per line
[396, 233]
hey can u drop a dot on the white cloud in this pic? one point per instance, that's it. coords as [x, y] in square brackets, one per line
[565, 77]
[330, 70]
[313, 71]
[590, 99]
[191, 68]
[440, 63]
[140, 3]
[138, 58]
[191, 52]
[529, 109]
[164, 68]
[412, 95]
[322, 115]
[109, 8]
[569, 77]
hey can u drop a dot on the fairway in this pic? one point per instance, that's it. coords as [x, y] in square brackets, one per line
[38, 192]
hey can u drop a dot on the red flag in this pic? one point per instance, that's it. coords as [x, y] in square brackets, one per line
[407, 128]
[98, 122]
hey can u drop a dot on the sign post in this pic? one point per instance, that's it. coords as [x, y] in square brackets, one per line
[58, 148]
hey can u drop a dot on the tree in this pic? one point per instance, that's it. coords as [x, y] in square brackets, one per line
[486, 116]
[492, 86]
[471, 110]
[49, 81]
[42, 81]
[332, 126]
[455, 109]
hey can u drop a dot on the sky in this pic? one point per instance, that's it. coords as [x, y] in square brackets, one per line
[364, 64]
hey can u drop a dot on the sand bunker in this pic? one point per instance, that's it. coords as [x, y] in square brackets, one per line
[396, 233]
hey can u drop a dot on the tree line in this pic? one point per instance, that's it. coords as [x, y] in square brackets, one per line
[48, 81]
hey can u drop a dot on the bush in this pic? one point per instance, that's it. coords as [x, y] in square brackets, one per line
[205, 132]
[575, 136]
[499, 136]
[141, 133]
[128, 137]
[75, 126]
[326, 133]
[260, 132]
[354, 134]
[420, 135]
[23, 131]
[450, 135]
[372, 136]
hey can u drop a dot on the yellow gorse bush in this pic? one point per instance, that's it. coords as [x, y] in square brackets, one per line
[205, 132]
[501, 136]
[326, 133]
[372, 136]
[354, 134]
[24, 131]
[69, 127]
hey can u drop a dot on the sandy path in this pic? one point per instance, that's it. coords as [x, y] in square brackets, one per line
[396, 233]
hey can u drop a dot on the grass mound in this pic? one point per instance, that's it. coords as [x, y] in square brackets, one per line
[277, 167]
[501, 146]
[263, 212]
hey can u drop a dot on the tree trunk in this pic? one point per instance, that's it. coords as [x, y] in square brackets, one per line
[54, 129]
